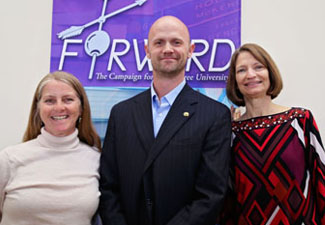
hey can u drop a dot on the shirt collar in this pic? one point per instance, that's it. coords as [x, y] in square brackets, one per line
[171, 96]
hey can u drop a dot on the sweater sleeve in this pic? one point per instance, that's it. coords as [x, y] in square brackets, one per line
[4, 177]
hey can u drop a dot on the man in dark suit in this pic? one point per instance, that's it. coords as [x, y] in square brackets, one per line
[166, 151]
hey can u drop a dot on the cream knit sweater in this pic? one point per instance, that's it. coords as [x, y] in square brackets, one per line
[49, 181]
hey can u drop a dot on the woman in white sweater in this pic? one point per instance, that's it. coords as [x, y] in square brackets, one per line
[52, 177]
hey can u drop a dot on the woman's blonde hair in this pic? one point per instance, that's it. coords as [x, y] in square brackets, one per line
[86, 130]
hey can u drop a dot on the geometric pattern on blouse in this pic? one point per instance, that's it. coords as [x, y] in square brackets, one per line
[277, 171]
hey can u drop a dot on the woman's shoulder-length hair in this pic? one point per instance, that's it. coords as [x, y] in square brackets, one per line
[263, 57]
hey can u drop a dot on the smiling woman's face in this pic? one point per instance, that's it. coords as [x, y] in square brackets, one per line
[252, 77]
[59, 108]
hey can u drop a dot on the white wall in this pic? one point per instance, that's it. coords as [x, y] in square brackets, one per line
[293, 32]
[25, 41]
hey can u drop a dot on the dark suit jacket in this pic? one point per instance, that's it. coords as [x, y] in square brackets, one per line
[179, 177]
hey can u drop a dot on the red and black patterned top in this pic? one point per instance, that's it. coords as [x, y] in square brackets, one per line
[278, 171]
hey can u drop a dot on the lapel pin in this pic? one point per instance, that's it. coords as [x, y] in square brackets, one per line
[186, 114]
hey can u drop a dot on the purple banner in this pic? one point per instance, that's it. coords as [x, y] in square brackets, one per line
[102, 42]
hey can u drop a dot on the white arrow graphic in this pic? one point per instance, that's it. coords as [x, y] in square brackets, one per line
[76, 30]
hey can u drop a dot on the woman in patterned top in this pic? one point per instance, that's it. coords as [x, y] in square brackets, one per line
[278, 167]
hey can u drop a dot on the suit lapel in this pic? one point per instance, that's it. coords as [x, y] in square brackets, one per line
[181, 111]
[143, 120]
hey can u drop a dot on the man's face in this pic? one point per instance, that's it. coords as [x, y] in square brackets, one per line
[169, 47]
